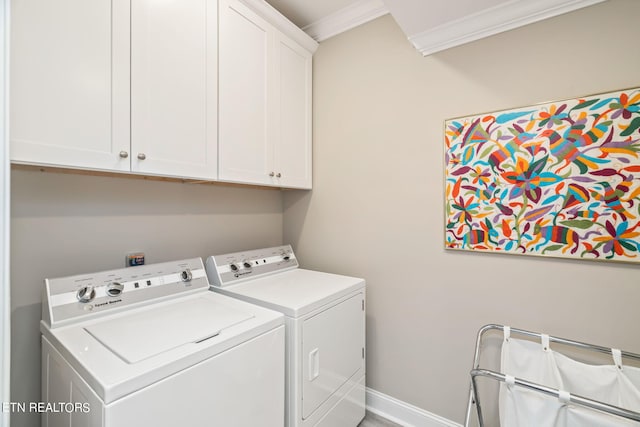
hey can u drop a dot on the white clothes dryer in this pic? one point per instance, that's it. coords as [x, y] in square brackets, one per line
[152, 346]
[325, 330]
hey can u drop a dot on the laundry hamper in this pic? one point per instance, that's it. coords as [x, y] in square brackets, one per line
[544, 381]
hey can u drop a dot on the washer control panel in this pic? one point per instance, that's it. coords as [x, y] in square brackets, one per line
[229, 269]
[75, 297]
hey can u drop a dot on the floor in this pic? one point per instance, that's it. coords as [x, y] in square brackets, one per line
[373, 420]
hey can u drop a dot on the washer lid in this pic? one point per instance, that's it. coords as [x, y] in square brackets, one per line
[294, 292]
[165, 328]
[167, 335]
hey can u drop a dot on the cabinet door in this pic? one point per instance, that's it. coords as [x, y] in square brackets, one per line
[70, 83]
[292, 145]
[174, 88]
[244, 94]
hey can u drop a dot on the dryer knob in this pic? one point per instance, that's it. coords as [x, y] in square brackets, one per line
[86, 294]
[186, 275]
[246, 264]
[233, 267]
[114, 289]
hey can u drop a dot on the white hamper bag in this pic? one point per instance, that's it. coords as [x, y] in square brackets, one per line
[536, 362]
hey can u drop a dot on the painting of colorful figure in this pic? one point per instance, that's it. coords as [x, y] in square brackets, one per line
[558, 179]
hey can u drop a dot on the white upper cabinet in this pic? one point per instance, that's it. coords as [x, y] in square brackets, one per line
[292, 145]
[244, 39]
[198, 89]
[264, 102]
[174, 88]
[70, 83]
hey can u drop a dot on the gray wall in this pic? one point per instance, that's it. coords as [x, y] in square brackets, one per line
[69, 224]
[376, 209]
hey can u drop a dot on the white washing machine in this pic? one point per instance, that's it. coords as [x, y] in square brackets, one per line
[152, 346]
[325, 330]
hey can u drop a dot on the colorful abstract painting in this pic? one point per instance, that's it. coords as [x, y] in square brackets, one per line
[558, 179]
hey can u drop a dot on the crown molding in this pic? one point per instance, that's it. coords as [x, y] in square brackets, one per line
[345, 19]
[507, 16]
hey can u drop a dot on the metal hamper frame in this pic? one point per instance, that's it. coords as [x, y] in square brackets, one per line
[499, 376]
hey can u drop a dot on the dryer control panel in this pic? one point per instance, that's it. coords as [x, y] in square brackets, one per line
[76, 297]
[229, 269]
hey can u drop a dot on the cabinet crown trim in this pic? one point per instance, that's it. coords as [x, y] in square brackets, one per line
[352, 16]
[279, 21]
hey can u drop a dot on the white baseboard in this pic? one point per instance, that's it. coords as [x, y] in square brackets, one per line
[403, 413]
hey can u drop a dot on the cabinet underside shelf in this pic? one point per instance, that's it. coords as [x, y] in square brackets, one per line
[128, 175]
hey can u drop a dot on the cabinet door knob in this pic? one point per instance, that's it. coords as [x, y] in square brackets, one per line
[272, 174]
[141, 156]
[124, 154]
[278, 175]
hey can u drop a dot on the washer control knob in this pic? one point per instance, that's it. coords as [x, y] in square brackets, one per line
[233, 267]
[114, 289]
[86, 294]
[186, 275]
[246, 264]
